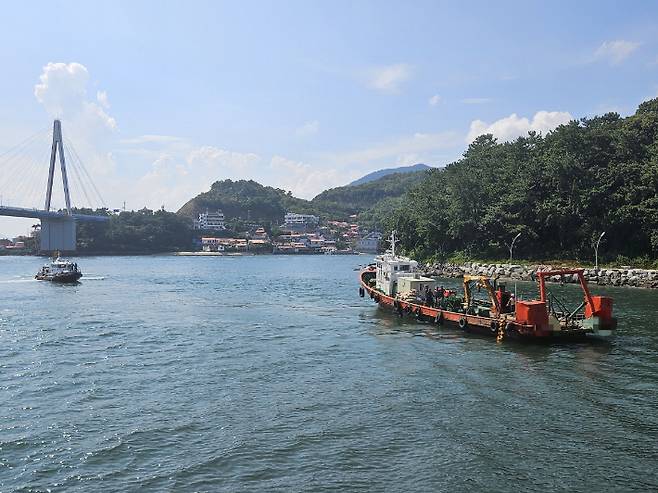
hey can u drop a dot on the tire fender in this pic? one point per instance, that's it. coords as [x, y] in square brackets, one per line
[493, 326]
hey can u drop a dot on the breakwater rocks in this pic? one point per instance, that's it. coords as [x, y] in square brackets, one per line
[639, 278]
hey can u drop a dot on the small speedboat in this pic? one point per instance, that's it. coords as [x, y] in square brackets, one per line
[59, 270]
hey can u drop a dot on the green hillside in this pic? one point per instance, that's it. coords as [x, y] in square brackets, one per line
[376, 175]
[246, 200]
[354, 199]
[560, 191]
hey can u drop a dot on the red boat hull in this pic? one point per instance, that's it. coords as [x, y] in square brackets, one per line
[501, 328]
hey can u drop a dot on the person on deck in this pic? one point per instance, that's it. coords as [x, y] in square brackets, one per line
[429, 297]
[511, 305]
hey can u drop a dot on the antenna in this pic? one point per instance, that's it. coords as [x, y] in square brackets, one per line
[57, 146]
[393, 240]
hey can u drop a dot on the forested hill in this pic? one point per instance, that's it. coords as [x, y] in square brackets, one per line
[560, 191]
[375, 175]
[244, 199]
[354, 199]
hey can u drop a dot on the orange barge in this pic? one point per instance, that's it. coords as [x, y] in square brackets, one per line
[394, 283]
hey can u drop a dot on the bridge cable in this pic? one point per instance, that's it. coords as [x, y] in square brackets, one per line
[86, 173]
[37, 176]
[24, 166]
[25, 142]
[76, 175]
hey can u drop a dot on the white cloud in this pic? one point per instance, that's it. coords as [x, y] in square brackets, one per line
[513, 126]
[221, 164]
[309, 128]
[389, 78]
[62, 90]
[476, 100]
[434, 100]
[408, 159]
[101, 97]
[418, 144]
[151, 139]
[616, 51]
[89, 130]
[176, 176]
[304, 180]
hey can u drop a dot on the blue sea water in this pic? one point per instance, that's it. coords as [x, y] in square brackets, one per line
[269, 373]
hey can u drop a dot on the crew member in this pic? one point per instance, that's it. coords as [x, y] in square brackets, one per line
[429, 297]
[511, 304]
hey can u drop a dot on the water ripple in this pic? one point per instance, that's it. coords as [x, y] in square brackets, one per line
[269, 373]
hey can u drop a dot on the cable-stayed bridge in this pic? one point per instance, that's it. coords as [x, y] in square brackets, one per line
[22, 173]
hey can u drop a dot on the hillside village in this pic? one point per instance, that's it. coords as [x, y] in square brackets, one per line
[297, 234]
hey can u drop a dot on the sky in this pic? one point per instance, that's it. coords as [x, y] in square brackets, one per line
[160, 99]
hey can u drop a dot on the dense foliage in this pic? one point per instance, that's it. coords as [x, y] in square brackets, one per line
[560, 191]
[143, 231]
[376, 175]
[247, 200]
[354, 199]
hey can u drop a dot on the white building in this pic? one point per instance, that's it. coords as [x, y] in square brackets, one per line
[294, 219]
[210, 220]
[369, 243]
[212, 245]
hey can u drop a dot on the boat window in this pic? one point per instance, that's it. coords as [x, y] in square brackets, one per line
[404, 267]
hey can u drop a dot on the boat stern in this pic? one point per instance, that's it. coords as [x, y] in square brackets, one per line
[598, 317]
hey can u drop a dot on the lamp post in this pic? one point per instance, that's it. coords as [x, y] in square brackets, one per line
[511, 247]
[596, 252]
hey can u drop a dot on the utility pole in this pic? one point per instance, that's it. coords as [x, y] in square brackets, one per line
[596, 252]
[511, 246]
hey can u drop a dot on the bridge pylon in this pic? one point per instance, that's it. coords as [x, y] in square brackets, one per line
[58, 229]
[57, 147]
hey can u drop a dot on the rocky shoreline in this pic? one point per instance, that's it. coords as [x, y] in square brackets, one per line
[625, 276]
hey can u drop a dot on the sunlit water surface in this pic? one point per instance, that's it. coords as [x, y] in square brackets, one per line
[271, 374]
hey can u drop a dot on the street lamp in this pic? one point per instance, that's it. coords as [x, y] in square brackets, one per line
[596, 252]
[511, 247]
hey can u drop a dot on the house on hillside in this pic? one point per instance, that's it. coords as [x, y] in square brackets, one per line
[210, 244]
[369, 243]
[300, 222]
[260, 234]
[302, 243]
[210, 221]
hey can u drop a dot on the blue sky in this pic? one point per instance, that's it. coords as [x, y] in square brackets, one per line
[162, 98]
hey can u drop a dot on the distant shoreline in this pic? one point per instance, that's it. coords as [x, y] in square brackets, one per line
[176, 254]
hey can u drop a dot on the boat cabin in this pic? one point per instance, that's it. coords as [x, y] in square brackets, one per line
[390, 269]
[417, 284]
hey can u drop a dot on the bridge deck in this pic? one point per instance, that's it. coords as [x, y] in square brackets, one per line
[41, 214]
